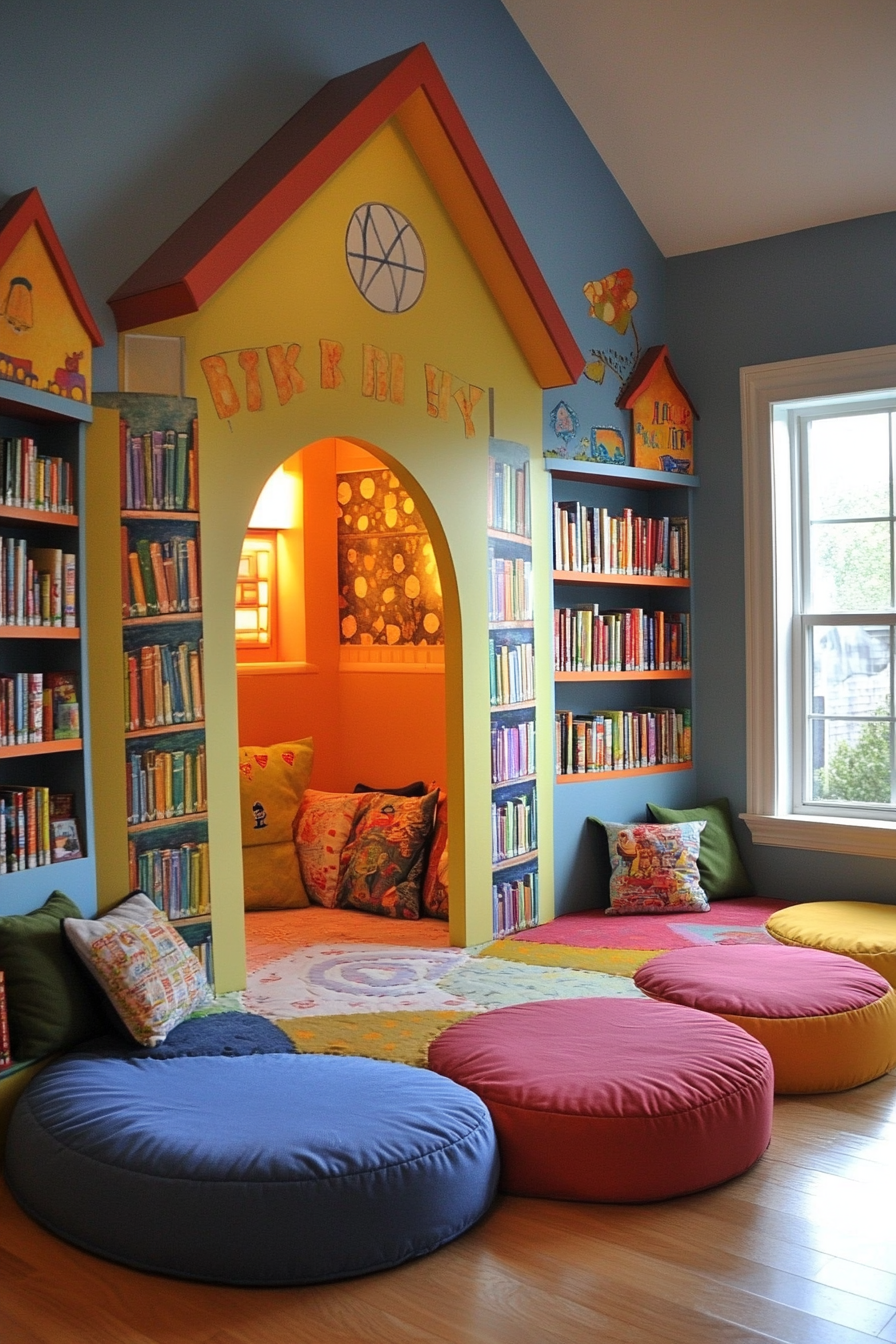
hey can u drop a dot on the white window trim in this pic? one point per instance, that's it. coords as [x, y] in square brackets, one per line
[767, 553]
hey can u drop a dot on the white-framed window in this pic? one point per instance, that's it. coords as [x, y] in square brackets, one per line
[819, 440]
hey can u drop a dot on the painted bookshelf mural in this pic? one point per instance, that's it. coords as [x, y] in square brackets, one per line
[162, 643]
[514, 805]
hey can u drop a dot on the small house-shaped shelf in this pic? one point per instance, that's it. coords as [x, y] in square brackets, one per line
[663, 414]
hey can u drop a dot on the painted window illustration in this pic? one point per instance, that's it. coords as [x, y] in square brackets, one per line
[389, 589]
[385, 257]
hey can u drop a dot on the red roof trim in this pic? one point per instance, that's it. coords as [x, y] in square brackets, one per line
[16, 218]
[643, 373]
[284, 173]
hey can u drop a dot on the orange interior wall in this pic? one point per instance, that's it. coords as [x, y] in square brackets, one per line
[376, 727]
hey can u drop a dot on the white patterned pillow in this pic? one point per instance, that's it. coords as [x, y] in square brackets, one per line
[150, 976]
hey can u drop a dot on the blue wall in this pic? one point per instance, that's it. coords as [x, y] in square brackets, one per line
[814, 292]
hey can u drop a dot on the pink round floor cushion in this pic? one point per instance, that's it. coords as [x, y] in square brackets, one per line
[618, 1100]
[828, 1022]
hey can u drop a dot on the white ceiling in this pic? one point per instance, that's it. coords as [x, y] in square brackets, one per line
[725, 121]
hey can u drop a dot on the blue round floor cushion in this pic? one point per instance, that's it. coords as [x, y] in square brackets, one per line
[260, 1169]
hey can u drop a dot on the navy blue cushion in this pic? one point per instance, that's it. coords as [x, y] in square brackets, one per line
[263, 1169]
[230, 1033]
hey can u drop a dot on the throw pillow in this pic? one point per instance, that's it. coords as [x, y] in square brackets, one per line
[322, 827]
[654, 869]
[51, 1004]
[272, 783]
[149, 975]
[415, 790]
[383, 860]
[722, 872]
[434, 895]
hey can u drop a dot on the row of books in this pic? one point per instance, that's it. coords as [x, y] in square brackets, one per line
[515, 904]
[514, 829]
[165, 784]
[37, 584]
[591, 541]
[508, 498]
[5, 1050]
[38, 707]
[511, 673]
[163, 685]
[621, 739]
[36, 828]
[159, 577]
[159, 470]
[31, 480]
[175, 879]
[513, 751]
[510, 589]
[629, 640]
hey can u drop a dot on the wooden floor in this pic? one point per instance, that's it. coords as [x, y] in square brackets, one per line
[803, 1249]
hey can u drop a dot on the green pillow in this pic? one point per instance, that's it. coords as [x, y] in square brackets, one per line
[50, 1001]
[722, 872]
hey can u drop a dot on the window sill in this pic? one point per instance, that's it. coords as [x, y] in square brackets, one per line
[873, 839]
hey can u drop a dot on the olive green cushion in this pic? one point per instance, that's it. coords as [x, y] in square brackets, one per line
[50, 1001]
[722, 872]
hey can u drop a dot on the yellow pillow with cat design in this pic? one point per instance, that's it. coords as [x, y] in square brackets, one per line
[272, 782]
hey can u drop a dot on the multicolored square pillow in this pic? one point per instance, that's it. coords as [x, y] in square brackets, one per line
[149, 975]
[272, 783]
[654, 868]
[322, 826]
[383, 860]
[434, 896]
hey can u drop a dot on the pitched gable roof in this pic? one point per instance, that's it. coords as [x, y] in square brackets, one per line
[643, 374]
[247, 210]
[16, 218]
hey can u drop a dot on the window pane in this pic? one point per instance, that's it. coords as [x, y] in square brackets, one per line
[849, 471]
[849, 566]
[850, 753]
[851, 761]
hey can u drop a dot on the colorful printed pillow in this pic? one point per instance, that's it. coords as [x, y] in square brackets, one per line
[272, 783]
[383, 860]
[150, 976]
[654, 869]
[322, 826]
[434, 895]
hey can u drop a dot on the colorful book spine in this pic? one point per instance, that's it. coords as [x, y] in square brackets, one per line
[515, 904]
[616, 739]
[592, 541]
[175, 879]
[628, 640]
[511, 673]
[508, 498]
[513, 751]
[165, 784]
[159, 471]
[514, 830]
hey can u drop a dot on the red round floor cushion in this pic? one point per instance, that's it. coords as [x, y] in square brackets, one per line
[622, 1100]
[828, 1022]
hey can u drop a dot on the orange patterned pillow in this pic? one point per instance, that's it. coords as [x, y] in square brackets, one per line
[435, 879]
[383, 861]
[321, 828]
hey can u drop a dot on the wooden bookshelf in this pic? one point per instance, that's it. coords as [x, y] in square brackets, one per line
[596, 776]
[635, 580]
[517, 704]
[165, 728]
[140, 827]
[42, 748]
[623, 676]
[10, 513]
[516, 538]
[509, 783]
[185, 515]
[40, 632]
[516, 862]
[164, 618]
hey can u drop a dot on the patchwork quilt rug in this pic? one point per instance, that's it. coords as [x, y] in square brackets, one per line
[735, 921]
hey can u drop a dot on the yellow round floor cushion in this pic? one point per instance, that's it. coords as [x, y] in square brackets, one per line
[863, 930]
[272, 782]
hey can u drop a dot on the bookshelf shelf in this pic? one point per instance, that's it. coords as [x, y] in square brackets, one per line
[171, 515]
[164, 618]
[9, 513]
[511, 625]
[622, 676]
[39, 632]
[517, 704]
[515, 862]
[517, 538]
[42, 748]
[510, 783]
[602, 776]
[166, 823]
[164, 729]
[633, 478]
[184, 921]
[635, 580]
